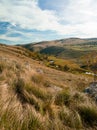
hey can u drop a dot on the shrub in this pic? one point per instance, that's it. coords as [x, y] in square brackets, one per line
[66, 68]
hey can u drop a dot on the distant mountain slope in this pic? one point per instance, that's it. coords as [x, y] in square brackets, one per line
[62, 52]
[65, 48]
[60, 42]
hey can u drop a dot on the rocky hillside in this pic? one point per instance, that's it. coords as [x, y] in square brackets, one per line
[35, 97]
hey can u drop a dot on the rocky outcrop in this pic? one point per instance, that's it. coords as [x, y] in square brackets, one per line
[92, 90]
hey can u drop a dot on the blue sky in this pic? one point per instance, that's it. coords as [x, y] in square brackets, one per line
[26, 21]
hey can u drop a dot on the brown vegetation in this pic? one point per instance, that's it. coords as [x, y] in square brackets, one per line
[35, 97]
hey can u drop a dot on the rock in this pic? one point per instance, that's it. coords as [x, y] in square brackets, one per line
[40, 71]
[87, 90]
[92, 90]
[27, 65]
[56, 88]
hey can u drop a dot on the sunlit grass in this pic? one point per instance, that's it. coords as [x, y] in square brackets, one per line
[29, 100]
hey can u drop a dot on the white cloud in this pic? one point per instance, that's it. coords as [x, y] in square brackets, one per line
[81, 15]
[80, 11]
[78, 18]
[27, 14]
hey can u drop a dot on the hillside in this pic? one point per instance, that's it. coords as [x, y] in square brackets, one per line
[35, 97]
[71, 48]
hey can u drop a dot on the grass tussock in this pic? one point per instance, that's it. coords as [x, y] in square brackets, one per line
[38, 79]
[2, 67]
[63, 98]
[15, 117]
[70, 118]
[38, 91]
[2, 78]
[88, 114]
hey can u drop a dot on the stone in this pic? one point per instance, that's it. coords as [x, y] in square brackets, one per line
[92, 90]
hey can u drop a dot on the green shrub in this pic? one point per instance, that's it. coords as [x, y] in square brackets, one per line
[66, 68]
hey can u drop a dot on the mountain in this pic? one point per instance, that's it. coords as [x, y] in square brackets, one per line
[62, 42]
[35, 97]
[71, 48]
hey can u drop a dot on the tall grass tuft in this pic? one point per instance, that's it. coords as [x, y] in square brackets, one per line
[2, 67]
[38, 79]
[39, 92]
[16, 117]
[88, 114]
[63, 98]
[18, 87]
[70, 118]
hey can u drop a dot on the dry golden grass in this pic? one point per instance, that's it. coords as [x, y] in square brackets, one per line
[34, 97]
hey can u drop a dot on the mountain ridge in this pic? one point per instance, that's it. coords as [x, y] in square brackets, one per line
[63, 48]
[64, 39]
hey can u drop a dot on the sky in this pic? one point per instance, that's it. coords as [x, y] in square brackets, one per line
[27, 21]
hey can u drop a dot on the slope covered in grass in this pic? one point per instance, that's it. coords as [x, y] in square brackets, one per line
[35, 97]
[71, 48]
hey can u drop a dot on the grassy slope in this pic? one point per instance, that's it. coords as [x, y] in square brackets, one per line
[35, 97]
[66, 48]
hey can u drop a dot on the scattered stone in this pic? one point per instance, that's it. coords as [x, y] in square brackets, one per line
[54, 89]
[27, 65]
[39, 71]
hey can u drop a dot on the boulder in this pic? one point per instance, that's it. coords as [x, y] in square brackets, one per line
[92, 90]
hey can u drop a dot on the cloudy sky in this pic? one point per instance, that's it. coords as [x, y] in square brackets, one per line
[26, 21]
